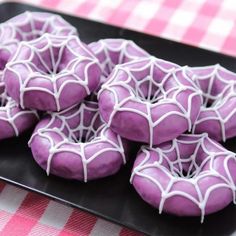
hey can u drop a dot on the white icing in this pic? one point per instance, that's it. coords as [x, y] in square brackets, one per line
[194, 174]
[48, 20]
[219, 100]
[106, 46]
[61, 42]
[15, 29]
[7, 107]
[92, 137]
[160, 96]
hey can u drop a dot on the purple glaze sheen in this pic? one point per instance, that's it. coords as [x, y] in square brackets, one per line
[112, 52]
[14, 120]
[144, 86]
[25, 27]
[52, 73]
[83, 132]
[218, 113]
[208, 164]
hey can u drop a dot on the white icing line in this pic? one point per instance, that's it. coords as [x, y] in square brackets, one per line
[219, 100]
[34, 71]
[136, 94]
[200, 142]
[97, 136]
[7, 107]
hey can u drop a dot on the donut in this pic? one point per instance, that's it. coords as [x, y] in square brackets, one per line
[25, 27]
[51, 73]
[149, 100]
[191, 175]
[77, 144]
[111, 52]
[14, 120]
[218, 113]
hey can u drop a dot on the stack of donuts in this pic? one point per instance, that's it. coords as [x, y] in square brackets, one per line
[89, 103]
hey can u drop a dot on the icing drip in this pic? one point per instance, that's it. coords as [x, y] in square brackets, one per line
[195, 172]
[112, 52]
[10, 112]
[96, 132]
[221, 87]
[54, 74]
[156, 93]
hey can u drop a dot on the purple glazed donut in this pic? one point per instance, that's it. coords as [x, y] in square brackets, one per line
[149, 100]
[25, 27]
[77, 144]
[14, 120]
[218, 113]
[111, 52]
[51, 73]
[189, 176]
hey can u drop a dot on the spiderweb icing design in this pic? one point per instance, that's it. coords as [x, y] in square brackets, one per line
[10, 113]
[218, 85]
[31, 25]
[59, 61]
[152, 82]
[112, 52]
[191, 169]
[78, 128]
[25, 27]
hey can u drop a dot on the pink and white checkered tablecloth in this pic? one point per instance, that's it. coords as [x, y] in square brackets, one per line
[209, 24]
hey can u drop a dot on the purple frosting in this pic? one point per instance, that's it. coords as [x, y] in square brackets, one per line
[192, 175]
[112, 52]
[76, 144]
[25, 27]
[51, 73]
[149, 100]
[13, 119]
[218, 113]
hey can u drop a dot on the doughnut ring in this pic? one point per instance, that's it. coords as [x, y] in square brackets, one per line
[111, 52]
[218, 113]
[51, 73]
[77, 144]
[25, 27]
[143, 100]
[192, 175]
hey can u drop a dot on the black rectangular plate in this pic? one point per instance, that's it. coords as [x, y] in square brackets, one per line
[114, 198]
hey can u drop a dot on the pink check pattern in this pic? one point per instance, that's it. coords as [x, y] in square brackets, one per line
[209, 24]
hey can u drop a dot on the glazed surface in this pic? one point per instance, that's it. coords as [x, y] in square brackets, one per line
[13, 119]
[218, 113]
[189, 176]
[51, 73]
[76, 144]
[26, 27]
[150, 100]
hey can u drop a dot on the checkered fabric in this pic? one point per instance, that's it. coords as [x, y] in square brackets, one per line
[26, 213]
[209, 24]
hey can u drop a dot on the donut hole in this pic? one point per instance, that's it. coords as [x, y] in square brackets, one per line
[147, 91]
[185, 170]
[85, 124]
[214, 82]
[86, 135]
[188, 164]
[3, 101]
[215, 101]
[52, 60]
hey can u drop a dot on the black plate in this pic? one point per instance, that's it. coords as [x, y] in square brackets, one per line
[114, 198]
